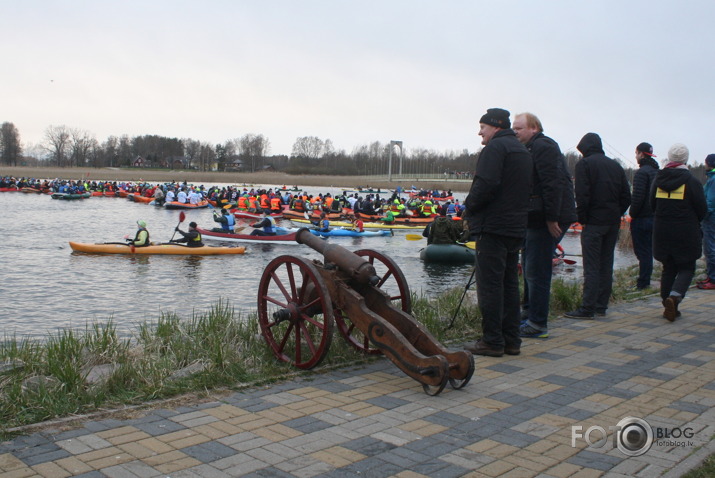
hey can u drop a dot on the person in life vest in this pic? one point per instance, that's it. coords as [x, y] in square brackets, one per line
[388, 218]
[192, 238]
[226, 219]
[253, 204]
[243, 202]
[264, 202]
[267, 223]
[357, 224]
[276, 205]
[323, 224]
[141, 238]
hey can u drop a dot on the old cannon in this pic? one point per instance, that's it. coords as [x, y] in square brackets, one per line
[367, 296]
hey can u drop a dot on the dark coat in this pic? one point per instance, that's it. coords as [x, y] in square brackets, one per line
[642, 181]
[552, 196]
[676, 224]
[602, 191]
[498, 199]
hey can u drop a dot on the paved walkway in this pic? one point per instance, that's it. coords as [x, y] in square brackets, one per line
[514, 418]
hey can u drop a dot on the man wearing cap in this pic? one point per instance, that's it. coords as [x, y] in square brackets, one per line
[678, 203]
[192, 238]
[642, 214]
[141, 238]
[708, 225]
[602, 198]
[552, 210]
[496, 211]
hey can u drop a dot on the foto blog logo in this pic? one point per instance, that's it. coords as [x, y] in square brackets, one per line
[632, 436]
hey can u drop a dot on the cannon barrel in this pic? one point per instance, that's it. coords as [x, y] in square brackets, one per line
[352, 264]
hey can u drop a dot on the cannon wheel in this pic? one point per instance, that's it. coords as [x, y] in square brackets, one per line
[459, 383]
[393, 282]
[295, 311]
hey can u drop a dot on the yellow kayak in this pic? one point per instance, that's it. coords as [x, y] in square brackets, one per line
[366, 225]
[167, 249]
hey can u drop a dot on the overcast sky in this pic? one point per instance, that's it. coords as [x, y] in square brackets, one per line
[355, 72]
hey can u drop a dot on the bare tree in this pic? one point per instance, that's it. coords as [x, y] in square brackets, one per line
[308, 147]
[57, 144]
[10, 149]
[81, 144]
[192, 149]
[253, 148]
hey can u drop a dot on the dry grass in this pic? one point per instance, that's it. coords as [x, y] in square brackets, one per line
[210, 177]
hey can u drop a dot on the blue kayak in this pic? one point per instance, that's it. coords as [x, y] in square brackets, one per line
[339, 232]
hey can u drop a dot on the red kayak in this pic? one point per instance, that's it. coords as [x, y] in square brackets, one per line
[288, 238]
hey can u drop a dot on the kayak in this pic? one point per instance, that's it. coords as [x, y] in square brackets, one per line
[287, 238]
[165, 249]
[181, 205]
[366, 225]
[341, 232]
[448, 254]
[315, 214]
[69, 196]
[139, 198]
[409, 220]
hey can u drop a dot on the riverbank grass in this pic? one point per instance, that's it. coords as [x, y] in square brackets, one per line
[75, 372]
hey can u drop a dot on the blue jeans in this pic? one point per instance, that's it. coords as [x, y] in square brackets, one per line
[497, 275]
[708, 226]
[642, 235]
[598, 244]
[538, 267]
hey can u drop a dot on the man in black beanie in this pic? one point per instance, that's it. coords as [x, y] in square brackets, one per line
[496, 211]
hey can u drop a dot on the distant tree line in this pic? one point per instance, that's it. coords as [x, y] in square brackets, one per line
[67, 147]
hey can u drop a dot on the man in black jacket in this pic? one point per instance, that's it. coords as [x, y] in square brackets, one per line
[642, 213]
[552, 210]
[602, 198]
[496, 209]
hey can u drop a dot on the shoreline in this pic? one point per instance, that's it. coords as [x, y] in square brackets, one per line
[212, 177]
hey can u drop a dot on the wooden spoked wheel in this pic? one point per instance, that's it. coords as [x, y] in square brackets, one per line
[392, 282]
[295, 311]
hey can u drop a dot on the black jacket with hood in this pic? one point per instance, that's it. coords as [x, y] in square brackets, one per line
[498, 199]
[552, 192]
[676, 226]
[602, 191]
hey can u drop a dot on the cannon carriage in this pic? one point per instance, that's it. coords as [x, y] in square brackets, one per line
[365, 294]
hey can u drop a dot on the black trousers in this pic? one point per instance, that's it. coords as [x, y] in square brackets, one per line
[598, 244]
[497, 277]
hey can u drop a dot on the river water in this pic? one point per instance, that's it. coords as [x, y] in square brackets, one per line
[45, 286]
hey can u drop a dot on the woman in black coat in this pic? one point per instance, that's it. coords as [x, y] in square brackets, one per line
[679, 206]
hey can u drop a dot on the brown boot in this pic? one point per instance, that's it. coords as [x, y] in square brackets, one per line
[670, 304]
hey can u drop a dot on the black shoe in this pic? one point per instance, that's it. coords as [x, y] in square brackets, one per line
[512, 350]
[579, 314]
[481, 348]
[671, 311]
[601, 312]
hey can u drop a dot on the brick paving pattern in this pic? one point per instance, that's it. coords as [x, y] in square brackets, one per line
[515, 417]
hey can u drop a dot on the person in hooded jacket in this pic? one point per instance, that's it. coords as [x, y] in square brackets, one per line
[642, 214]
[678, 202]
[602, 198]
[708, 225]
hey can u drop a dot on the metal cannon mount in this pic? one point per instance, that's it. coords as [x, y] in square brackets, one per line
[367, 296]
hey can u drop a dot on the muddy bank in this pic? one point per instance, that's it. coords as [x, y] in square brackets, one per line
[208, 178]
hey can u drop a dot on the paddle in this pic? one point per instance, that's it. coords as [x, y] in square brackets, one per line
[413, 237]
[182, 216]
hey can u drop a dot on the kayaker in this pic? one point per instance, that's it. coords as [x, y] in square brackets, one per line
[388, 218]
[267, 223]
[141, 238]
[323, 224]
[192, 238]
[226, 219]
[357, 224]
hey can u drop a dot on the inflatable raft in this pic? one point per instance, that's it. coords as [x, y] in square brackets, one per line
[161, 249]
[448, 254]
[181, 205]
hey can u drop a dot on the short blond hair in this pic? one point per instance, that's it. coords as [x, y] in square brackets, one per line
[532, 121]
